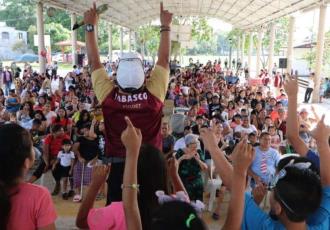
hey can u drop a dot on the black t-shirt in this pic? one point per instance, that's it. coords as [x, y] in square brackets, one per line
[214, 108]
[88, 149]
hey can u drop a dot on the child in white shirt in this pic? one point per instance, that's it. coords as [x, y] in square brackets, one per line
[64, 165]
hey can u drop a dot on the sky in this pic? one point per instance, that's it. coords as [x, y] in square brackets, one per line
[304, 22]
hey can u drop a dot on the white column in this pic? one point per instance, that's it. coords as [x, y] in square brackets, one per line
[271, 48]
[258, 66]
[121, 40]
[238, 49]
[290, 44]
[41, 38]
[250, 52]
[242, 49]
[74, 40]
[110, 41]
[319, 53]
[130, 40]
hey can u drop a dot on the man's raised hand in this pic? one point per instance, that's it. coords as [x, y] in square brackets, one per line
[165, 16]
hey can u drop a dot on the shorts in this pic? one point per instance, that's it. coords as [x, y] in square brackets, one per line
[63, 171]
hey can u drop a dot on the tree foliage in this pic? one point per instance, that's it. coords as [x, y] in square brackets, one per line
[310, 56]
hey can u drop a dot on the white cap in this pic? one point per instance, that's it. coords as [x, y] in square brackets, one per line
[130, 73]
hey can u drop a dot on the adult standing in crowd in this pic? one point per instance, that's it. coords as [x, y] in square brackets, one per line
[129, 96]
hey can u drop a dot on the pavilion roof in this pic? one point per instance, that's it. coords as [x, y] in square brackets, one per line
[242, 14]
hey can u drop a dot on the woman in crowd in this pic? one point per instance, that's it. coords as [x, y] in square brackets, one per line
[25, 115]
[2, 97]
[87, 150]
[138, 162]
[12, 102]
[16, 157]
[64, 120]
[191, 165]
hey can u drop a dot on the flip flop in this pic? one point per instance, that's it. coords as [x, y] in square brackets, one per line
[77, 198]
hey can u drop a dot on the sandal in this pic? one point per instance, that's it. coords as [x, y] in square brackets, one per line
[77, 198]
[215, 216]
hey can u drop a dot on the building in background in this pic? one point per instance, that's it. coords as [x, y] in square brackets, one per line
[12, 42]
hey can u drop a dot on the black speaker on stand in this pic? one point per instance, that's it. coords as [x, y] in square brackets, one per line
[283, 63]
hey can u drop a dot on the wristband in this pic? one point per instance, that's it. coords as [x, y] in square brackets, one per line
[163, 30]
[132, 186]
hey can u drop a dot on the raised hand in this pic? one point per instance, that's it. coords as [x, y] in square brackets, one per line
[131, 138]
[291, 86]
[242, 156]
[99, 174]
[91, 16]
[321, 131]
[165, 16]
[209, 138]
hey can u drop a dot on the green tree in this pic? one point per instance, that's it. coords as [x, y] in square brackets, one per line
[57, 33]
[19, 14]
[310, 56]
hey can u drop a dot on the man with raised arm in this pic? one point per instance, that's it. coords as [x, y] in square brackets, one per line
[292, 130]
[129, 95]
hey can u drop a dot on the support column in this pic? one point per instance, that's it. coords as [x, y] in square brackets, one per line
[242, 49]
[110, 42]
[271, 48]
[250, 53]
[121, 40]
[238, 50]
[41, 37]
[74, 40]
[290, 44]
[319, 53]
[130, 40]
[258, 66]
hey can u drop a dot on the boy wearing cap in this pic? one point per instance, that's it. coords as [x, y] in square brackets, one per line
[130, 96]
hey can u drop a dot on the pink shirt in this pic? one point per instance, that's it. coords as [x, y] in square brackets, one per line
[31, 208]
[107, 218]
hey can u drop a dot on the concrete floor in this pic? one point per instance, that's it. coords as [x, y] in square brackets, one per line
[67, 210]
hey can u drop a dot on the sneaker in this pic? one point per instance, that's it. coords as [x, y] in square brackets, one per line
[56, 189]
[65, 196]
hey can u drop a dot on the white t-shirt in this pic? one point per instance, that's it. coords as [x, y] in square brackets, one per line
[179, 144]
[310, 83]
[49, 116]
[245, 130]
[65, 158]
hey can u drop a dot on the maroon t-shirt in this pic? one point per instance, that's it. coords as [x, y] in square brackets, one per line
[145, 112]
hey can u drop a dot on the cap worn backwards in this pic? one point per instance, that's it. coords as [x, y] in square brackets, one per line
[130, 73]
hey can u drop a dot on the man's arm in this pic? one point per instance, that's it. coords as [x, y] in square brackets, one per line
[91, 17]
[102, 85]
[165, 41]
[222, 165]
[243, 156]
[292, 130]
[158, 82]
[321, 134]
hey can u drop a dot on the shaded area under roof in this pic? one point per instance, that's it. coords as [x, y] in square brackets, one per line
[242, 14]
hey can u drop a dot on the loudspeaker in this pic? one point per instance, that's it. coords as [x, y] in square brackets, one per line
[81, 59]
[282, 63]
